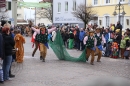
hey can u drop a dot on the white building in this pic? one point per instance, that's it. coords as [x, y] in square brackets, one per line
[9, 12]
[62, 11]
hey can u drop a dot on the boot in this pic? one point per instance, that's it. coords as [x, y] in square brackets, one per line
[40, 57]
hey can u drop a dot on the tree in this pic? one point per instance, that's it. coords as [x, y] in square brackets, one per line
[84, 13]
[46, 12]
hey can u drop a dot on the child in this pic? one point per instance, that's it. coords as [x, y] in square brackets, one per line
[114, 50]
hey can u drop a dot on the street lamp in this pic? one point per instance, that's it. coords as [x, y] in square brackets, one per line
[119, 7]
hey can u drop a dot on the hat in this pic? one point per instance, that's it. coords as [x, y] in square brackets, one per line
[98, 28]
[117, 30]
[91, 31]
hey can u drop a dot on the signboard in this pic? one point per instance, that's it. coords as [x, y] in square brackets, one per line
[33, 4]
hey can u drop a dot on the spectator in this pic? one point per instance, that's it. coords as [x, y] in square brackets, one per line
[77, 41]
[71, 40]
[118, 26]
[8, 46]
[81, 38]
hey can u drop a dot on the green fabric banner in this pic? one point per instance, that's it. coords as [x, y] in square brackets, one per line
[60, 50]
[33, 4]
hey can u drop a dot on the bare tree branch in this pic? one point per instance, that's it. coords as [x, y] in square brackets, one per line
[84, 13]
[46, 13]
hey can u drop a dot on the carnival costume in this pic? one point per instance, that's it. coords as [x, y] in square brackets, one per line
[19, 41]
[99, 48]
[90, 42]
[42, 38]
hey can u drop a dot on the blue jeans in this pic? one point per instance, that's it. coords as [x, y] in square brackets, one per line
[78, 45]
[6, 66]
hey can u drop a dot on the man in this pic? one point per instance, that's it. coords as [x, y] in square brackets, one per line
[99, 38]
[90, 42]
[118, 26]
[77, 41]
[42, 38]
[81, 38]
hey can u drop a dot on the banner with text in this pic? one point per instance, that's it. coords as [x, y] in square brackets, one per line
[32, 4]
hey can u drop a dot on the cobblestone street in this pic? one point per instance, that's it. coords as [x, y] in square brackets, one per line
[54, 72]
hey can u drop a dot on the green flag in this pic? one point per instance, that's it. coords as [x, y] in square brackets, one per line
[33, 4]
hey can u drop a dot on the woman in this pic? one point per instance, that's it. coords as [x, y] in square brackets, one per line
[8, 46]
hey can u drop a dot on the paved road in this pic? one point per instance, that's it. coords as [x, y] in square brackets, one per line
[33, 72]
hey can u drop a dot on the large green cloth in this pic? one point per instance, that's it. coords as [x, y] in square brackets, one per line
[34, 4]
[60, 50]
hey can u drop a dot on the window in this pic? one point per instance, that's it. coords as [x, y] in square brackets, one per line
[95, 2]
[9, 5]
[107, 20]
[66, 6]
[18, 15]
[127, 21]
[122, 0]
[107, 1]
[74, 5]
[122, 20]
[100, 22]
[59, 7]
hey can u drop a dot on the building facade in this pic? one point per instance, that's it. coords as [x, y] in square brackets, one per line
[8, 11]
[62, 11]
[105, 9]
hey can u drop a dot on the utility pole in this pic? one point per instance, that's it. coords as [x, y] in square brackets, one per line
[119, 10]
[52, 9]
[85, 13]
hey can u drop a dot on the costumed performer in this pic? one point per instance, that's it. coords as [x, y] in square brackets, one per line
[90, 42]
[35, 42]
[99, 48]
[19, 41]
[42, 38]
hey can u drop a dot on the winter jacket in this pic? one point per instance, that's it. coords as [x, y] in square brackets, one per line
[81, 35]
[107, 37]
[118, 26]
[124, 42]
[1, 47]
[77, 36]
[71, 35]
[8, 44]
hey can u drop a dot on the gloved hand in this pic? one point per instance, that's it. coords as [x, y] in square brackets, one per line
[104, 45]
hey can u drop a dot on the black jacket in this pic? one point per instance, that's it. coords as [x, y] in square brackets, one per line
[1, 47]
[77, 36]
[118, 38]
[118, 26]
[8, 44]
[71, 36]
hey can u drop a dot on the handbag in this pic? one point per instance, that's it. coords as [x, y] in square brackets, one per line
[126, 53]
